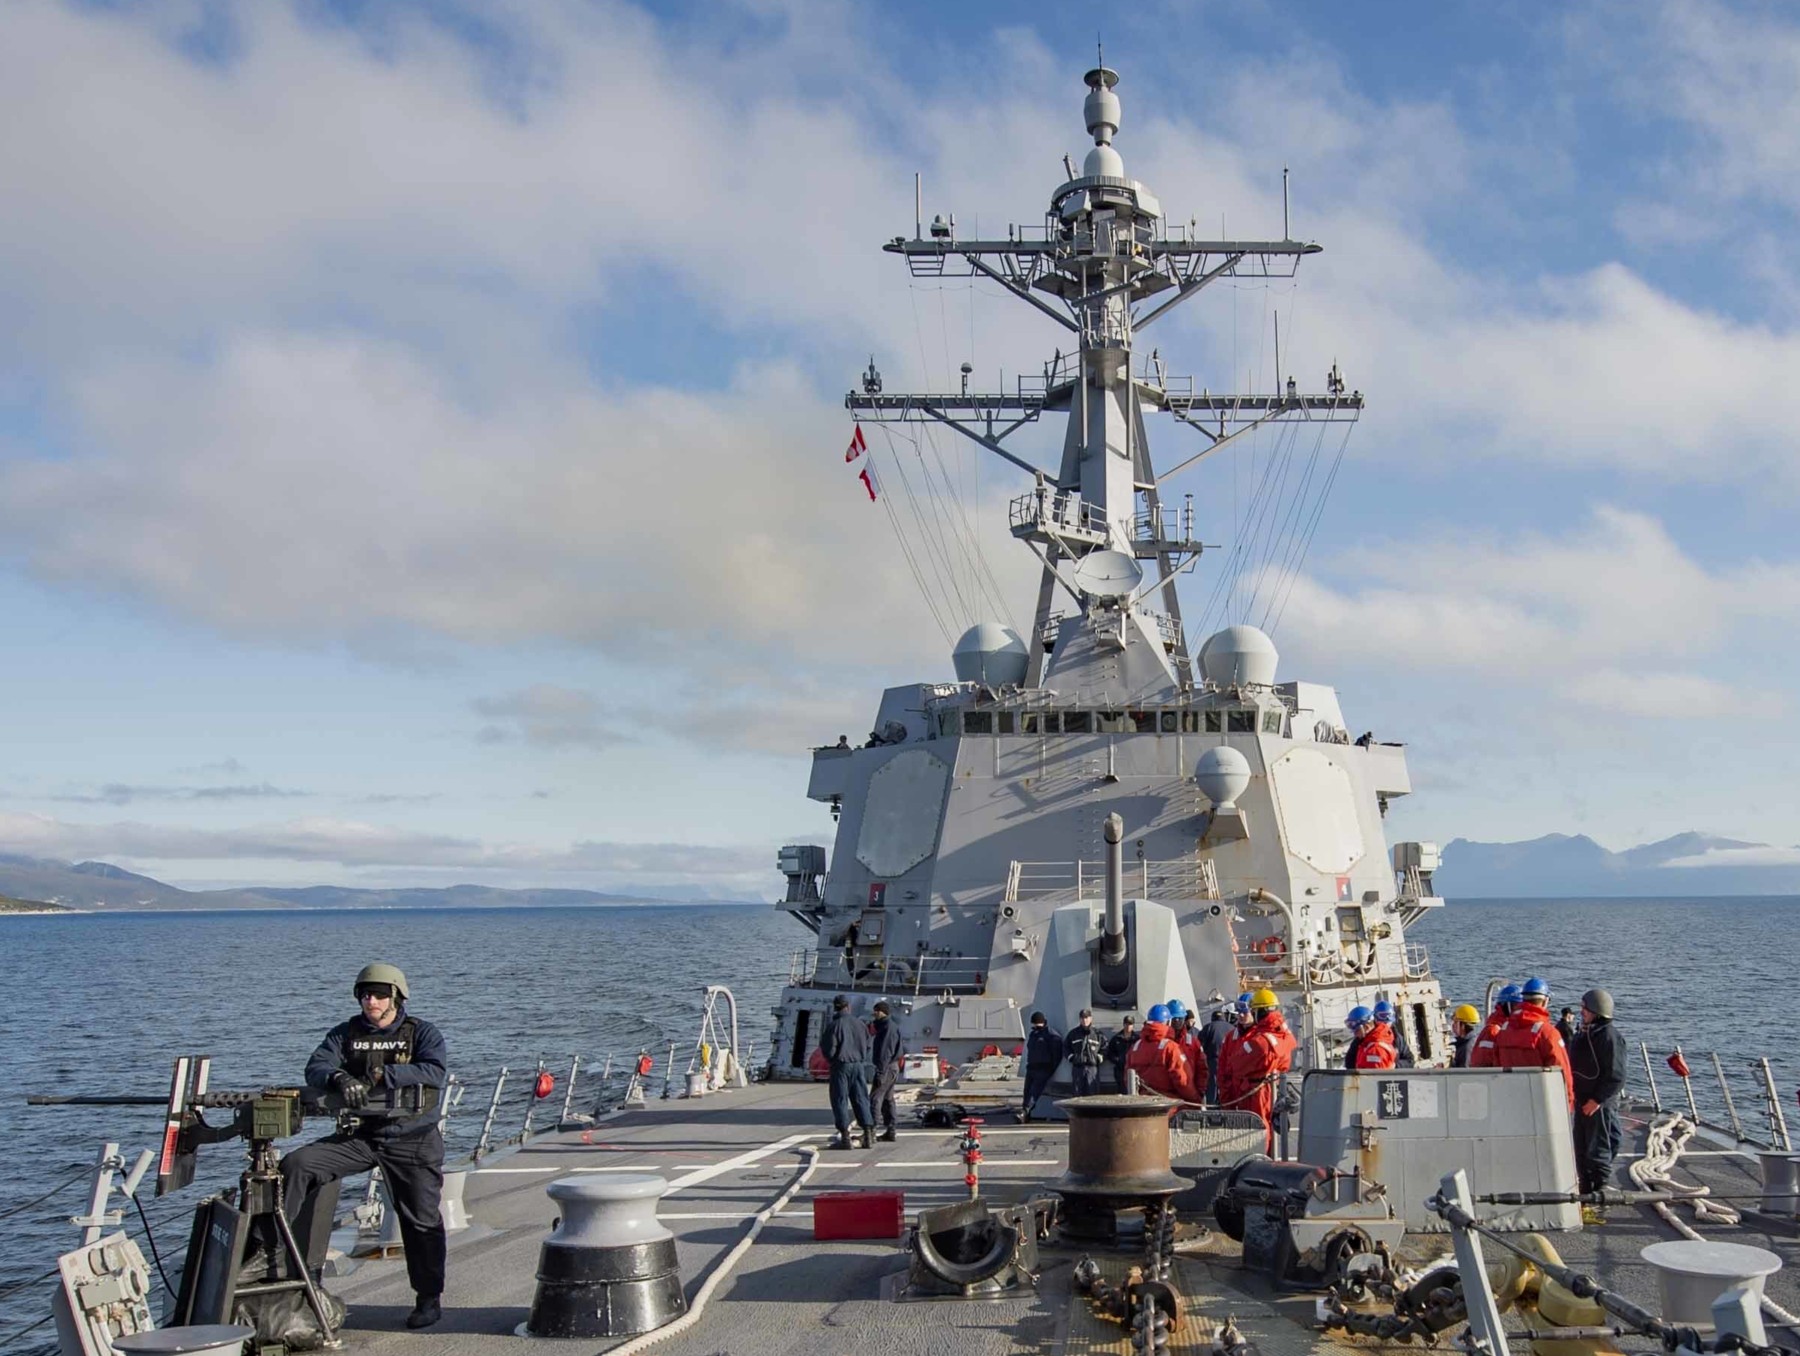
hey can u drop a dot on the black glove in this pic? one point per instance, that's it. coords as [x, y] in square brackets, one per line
[352, 1089]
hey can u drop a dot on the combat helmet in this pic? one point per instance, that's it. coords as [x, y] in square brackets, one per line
[382, 973]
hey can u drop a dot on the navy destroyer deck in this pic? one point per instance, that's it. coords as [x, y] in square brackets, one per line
[727, 1156]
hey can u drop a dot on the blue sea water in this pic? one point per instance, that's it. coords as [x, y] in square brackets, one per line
[104, 1002]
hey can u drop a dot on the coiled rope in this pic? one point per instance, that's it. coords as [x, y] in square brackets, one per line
[1668, 1135]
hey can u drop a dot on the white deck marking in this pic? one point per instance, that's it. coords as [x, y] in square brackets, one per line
[742, 1160]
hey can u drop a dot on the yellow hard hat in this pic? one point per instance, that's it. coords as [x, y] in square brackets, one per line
[1466, 1013]
[1263, 998]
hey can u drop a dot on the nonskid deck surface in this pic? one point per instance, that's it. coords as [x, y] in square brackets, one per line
[728, 1156]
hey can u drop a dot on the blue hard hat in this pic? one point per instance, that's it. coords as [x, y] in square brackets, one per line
[1177, 1008]
[1510, 994]
[1384, 1011]
[1535, 988]
[1359, 1015]
[1158, 1013]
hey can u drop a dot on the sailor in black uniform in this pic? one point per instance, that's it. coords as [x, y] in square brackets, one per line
[383, 1048]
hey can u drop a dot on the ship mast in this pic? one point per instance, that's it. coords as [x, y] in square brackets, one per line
[1103, 265]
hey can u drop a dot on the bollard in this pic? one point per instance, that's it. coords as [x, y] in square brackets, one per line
[1780, 1184]
[1692, 1274]
[609, 1269]
[202, 1339]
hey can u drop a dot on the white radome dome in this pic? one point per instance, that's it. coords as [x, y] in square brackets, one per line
[1103, 160]
[990, 653]
[1239, 656]
[1222, 774]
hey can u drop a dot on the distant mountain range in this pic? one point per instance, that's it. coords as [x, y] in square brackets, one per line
[1556, 865]
[100, 885]
[1560, 866]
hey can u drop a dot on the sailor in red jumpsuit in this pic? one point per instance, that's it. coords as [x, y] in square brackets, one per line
[1530, 1040]
[1482, 1051]
[1251, 1066]
[1158, 1061]
[1376, 1048]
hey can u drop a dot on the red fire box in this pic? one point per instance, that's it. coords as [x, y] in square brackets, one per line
[859, 1214]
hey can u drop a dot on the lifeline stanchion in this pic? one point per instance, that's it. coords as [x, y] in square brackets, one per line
[1680, 1067]
[569, 1092]
[1777, 1122]
[1650, 1075]
[1737, 1126]
[487, 1124]
[537, 1095]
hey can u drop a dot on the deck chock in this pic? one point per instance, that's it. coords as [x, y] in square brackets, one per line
[609, 1267]
[971, 1250]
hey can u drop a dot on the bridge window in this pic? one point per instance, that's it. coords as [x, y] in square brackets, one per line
[1144, 722]
[978, 722]
[1215, 722]
[1240, 722]
[1078, 722]
[1053, 722]
[1167, 720]
[1003, 722]
[1190, 722]
[1272, 722]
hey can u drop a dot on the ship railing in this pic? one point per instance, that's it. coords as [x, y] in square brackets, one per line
[1181, 878]
[1056, 511]
[1416, 961]
[1167, 629]
[1731, 1095]
[874, 971]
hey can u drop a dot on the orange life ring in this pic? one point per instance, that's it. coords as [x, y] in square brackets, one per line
[1270, 948]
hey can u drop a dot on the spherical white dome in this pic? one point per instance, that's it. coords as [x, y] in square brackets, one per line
[1103, 160]
[1222, 773]
[1237, 656]
[990, 653]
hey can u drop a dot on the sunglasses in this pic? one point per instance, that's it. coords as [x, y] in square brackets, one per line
[374, 991]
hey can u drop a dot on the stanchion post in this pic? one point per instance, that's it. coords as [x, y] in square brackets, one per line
[487, 1124]
[1737, 1126]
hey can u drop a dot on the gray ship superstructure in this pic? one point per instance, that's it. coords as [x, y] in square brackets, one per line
[969, 881]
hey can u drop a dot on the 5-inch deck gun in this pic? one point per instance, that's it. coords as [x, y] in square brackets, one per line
[250, 1222]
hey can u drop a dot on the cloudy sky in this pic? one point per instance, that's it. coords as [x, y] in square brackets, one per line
[421, 425]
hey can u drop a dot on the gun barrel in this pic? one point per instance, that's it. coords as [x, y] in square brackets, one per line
[1112, 935]
[93, 1099]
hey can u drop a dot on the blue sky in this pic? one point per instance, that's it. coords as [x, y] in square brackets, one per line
[420, 424]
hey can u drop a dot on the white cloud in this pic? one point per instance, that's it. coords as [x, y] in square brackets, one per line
[1744, 856]
[1613, 614]
[330, 335]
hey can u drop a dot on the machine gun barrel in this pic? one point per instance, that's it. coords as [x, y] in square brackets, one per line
[1112, 934]
[312, 1101]
[92, 1099]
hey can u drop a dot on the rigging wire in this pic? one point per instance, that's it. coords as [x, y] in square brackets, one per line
[1312, 527]
[16, 1334]
[12, 1210]
[906, 549]
[17, 1286]
[930, 527]
[1282, 540]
